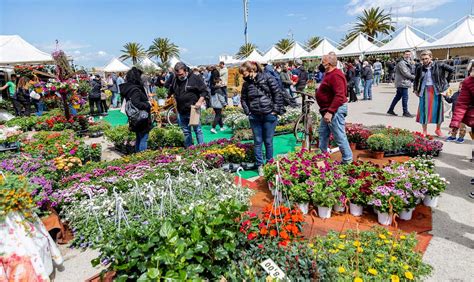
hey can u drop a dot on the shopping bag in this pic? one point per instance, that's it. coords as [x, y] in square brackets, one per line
[195, 116]
[124, 104]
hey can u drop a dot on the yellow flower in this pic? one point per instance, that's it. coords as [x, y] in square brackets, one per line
[342, 236]
[356, 244]
[360, 250]
[372, 271]
[358, 279]
[389, 233]
[406, 267]
[377, 260]
[341, 246]
[388, 241]
[395, 245]
[380, 255]
[403, 237]
[383, 237]
[311, 245]
[409, 275]
[392, 258]
[395, 278]
[341, 269]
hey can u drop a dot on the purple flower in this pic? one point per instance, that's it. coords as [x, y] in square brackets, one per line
[377, 202]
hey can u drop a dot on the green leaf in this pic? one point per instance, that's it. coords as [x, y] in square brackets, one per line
[194, 269]
[166, 229]
[229, 246]
[153, 273]
[122, 278]
[143, 278]
[195, 234]
[201, 247]
[135, 253]
[208, 230]
[180, 246]
[221, 253]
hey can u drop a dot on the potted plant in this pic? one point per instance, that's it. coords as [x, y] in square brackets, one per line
[324, 198]
[299, 195]
[434, 186]
[387, 200]
[161, 94]
[357, 199]
[378, 144]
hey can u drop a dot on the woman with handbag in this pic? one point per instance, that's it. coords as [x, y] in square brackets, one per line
[138, 111]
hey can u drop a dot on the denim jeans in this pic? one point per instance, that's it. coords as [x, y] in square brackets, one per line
[402, 93]
[368, 89]
[263, 128]
[141, 142]
[376, 78]
[357, 85]
[39, 106]
[338, 129]
[186, 128]
[115, 99]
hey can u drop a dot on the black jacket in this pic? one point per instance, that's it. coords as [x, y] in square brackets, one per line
[22, 95]
[367, 73]
[302, 79]
[95, 91]
[441, 74]
[262, 95]
[137, 96]
[452, 100]
[350, 74]
[188, 92]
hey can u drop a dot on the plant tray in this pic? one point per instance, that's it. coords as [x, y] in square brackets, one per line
[10, 146]
[396, 153]
[125, 149]
[96, 134]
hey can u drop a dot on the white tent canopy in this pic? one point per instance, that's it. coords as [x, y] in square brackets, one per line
[116, 65]
[271, 54]
[147, 62]
[323, 48]
[255, 56]
[461, 36]
[406, 39]
[297, 51]
[229, 60]
[358, 46]
[15, 50]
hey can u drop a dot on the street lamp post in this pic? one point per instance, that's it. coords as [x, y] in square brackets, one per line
[246, 14]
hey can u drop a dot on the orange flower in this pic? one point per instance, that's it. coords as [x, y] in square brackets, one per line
[263, 231]
[284, 235]
[273, 233]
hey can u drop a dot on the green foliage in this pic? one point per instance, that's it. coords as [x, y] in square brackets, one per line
[245, 50]
[373, 22]
[379, 143]
[100, 126]
[284, 45]
[133, 51]
[164, 49]
[161, 92]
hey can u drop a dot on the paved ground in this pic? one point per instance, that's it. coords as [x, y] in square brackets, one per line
[451, 251]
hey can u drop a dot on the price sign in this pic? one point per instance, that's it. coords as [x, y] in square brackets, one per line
[272, 269]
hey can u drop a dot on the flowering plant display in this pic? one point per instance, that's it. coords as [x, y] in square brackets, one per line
[231, 153]
[15, 195]
[375, 255]
[357, 133]
[379, 143]
[424, 146]
[9, 134]
[27, 70]
[60, 123]
[237, 120]
[67, 163]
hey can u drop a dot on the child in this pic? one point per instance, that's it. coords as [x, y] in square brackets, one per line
[462, 127]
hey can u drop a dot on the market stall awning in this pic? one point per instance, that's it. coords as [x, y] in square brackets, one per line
[229, 60]
[295, 52]
[15, 50]
[147, 62]
[359, 45]
[115, 65]
[406, 39]
[461, 36]
[271, 54]
[255, 57]
[323, 48]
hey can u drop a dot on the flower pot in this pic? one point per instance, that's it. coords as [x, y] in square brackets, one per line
[378, 155]
[304, 207]
[407, 214]
[356, 210]
[384, 218]
[353, 146]
[161, 102]
[324, 212]
[431, 201]
[338, 208]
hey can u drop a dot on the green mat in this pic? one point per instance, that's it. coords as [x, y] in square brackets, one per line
[281, 144]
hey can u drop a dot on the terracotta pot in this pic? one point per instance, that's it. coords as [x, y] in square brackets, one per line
[378, 155]
[353, 146]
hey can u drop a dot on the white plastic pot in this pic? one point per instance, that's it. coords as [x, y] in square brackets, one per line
[356, 210]
[324, 212]
[304, 207]
[161, 102]
[338, 208]
[431, 201]
[407, 214]
[384, 218]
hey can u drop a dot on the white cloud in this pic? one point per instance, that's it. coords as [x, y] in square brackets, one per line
[399, 7]
[183, 50]
[102, 53]
[421, 22]
[344, 27]
[299, 16]
[67, 45]
[76, 52]
[290, 15]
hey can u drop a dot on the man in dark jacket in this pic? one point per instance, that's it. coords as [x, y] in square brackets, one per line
[358, 72]
[368, 77]
[332, 98]
[189, 90]
[94, 95]
[302, 76]
[403, 81]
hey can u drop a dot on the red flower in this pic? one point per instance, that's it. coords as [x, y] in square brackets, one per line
[251, 236]
[94, 145]
[283, 243]
[260, 246]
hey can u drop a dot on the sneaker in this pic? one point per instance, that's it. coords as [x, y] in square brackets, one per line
[213, 130]
[472, 181]
[450, 139]
[392, 113]
[223, 128]
[460, 140]
[471, 195]
[408, 115]
[260, 170]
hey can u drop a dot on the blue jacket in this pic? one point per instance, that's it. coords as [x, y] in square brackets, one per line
[270, 71]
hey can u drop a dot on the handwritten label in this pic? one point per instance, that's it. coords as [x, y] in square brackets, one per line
[272, 269]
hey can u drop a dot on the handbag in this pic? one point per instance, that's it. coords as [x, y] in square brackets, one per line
[135, 116]
[34, 95]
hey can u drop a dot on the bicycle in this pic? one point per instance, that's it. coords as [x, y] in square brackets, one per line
[303, 129]
[170, 112]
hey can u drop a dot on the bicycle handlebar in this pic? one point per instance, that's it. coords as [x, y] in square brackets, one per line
[305, 94]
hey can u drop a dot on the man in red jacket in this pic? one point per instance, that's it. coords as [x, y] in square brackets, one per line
[332, 98]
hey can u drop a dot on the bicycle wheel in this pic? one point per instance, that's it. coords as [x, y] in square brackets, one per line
[172, 116]
[299, 129]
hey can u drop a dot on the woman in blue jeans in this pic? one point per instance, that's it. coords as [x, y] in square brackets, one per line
[134, 92]
[262, 101]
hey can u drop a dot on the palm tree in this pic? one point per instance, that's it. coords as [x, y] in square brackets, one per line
[313, 42]
[164, 49]
[347, 39]
[284, 45]
[245, 50]
[373, 22]
[134, 51]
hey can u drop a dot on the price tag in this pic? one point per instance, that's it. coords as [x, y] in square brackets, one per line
[272, 269]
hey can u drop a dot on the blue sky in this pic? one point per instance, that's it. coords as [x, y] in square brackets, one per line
[94, 31]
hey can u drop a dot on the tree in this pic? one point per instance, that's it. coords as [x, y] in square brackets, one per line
[133, 51]
[373, 22]
[245, 50]
[347, 39]
[164, 49]
[313, 42]
[284, 45]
